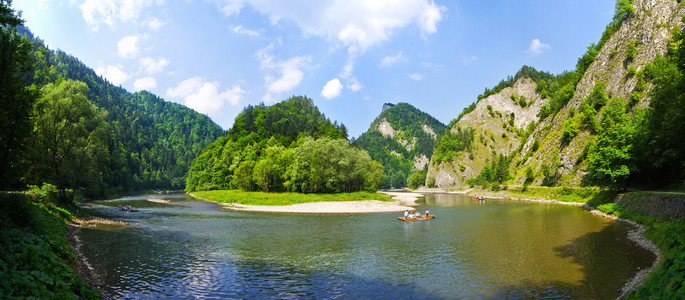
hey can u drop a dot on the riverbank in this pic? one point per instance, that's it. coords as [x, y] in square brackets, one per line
[398, 202]
[81, 266]
[37, 259]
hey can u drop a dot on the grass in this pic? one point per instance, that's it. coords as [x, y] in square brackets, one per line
[261, 198]
[563, 194]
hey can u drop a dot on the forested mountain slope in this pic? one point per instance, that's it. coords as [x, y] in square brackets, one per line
[402, 138]
[289, 146]
[150, 142]
[593, 122]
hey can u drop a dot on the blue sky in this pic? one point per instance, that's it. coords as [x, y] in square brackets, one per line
[218, 56]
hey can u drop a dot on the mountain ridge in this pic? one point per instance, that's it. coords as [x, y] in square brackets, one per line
[402, 139]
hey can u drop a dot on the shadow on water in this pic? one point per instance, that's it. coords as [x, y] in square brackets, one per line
[604, 271]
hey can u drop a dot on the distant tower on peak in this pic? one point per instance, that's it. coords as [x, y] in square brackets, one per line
[387, 106]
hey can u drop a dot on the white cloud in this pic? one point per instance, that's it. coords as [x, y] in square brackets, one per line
[241, 30]
[354, 84]
[537, 47]
[389, 61]
[113, 74]
[153, 65]
[96, 12]
[353, 24]
[357, 24]
[289, 73]
[128, 46]
[154, 23]
[332, 89]
[347, 74]
[145, 83]
[416, 76]
[229, 7]
[431, 15]
[203, 96]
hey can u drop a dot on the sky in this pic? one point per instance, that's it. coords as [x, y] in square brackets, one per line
[350, 57]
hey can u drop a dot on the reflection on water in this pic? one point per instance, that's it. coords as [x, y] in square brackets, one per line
[496, 249]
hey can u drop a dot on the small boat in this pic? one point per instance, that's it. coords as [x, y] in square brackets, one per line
[416, 219]
[127, 209]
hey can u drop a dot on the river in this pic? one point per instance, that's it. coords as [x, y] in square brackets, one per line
[492, 250]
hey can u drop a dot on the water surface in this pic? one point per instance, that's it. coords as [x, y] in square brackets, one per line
[491, 250]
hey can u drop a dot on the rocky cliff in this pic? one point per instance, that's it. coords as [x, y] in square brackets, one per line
[502, 126]
[498, 123]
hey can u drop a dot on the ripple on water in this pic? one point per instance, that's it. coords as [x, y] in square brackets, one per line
[190, 249]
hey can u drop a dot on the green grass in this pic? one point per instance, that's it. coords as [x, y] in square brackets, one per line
[261, 198]
[563, 194]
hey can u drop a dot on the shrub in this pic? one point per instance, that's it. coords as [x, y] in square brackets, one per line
[609, 208]
[569, 131]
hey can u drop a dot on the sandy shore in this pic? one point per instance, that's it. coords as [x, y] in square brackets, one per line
[332, 207]
[403, 201]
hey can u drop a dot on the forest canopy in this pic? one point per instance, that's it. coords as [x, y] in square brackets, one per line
[133, 141]
[397, 158]
[289, 146]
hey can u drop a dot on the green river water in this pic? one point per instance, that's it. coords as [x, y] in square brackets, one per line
[492, 250]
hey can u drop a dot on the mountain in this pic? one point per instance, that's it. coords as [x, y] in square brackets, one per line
[288, 146]
[402, 139]
[494, 127]
[582, 126]
[150, 142]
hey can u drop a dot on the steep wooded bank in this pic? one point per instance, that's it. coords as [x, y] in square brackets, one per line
[402, 139]
[142, 142]
[289, 146]
[582, 127]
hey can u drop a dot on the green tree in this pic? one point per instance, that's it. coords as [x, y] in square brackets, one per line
[331, 166]
[69, 137]
[611, 156]
[417, 179]
[16, 99]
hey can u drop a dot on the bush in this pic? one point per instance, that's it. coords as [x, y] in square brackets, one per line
[609, 208]
[46, 194]
[569, 131]
[34, 253]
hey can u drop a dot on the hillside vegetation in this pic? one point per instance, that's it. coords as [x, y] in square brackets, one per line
[115, 141]
[402, 139]
[289, 146]
[611, 122]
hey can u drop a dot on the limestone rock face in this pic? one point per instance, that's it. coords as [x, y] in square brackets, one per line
[649, 32]
[497, 119]
[386, 129]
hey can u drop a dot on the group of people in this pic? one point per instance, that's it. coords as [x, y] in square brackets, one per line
[479, 199]
[415, 214]
[125, 208]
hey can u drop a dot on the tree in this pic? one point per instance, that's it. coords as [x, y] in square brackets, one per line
[69, 137]
[16, 99]
[331, 166]
[611, 157]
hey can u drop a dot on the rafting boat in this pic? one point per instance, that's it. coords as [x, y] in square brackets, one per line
[416, 219]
